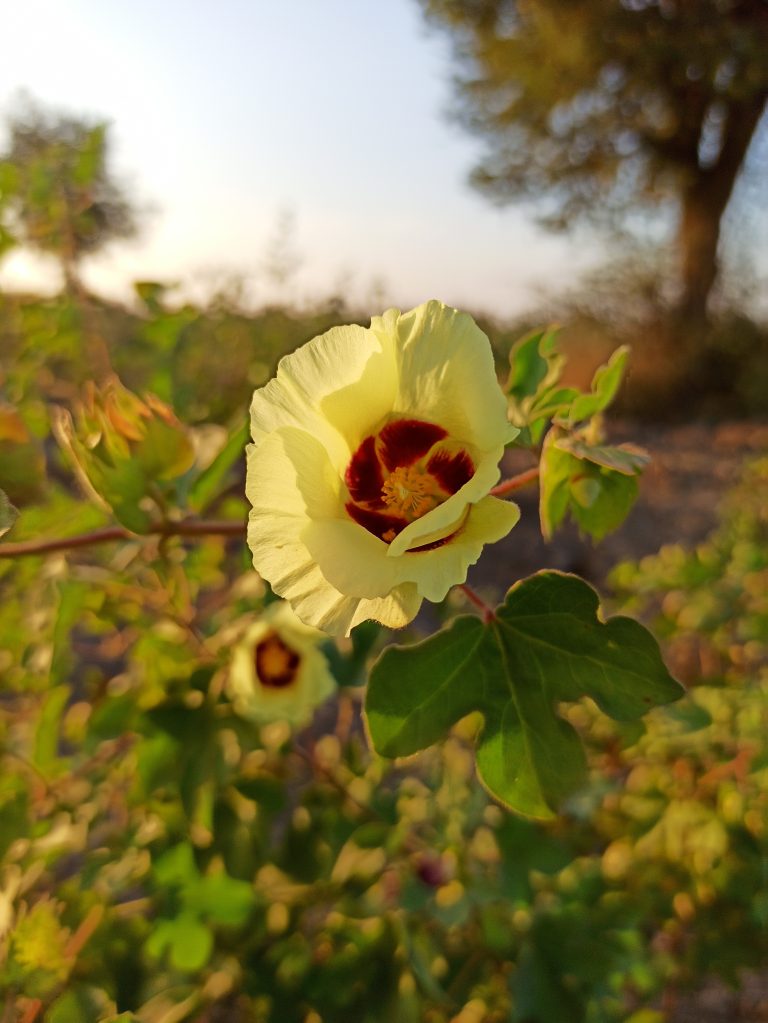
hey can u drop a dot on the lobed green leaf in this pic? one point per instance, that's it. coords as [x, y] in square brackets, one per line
[545, 645]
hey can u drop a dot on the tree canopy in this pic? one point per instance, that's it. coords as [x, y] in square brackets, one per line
[600, 107]
[57, 193]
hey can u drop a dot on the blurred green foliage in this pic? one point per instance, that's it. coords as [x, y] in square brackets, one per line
[57, 193]
[163, 859]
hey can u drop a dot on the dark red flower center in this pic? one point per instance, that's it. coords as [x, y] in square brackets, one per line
[276, 664]
[402, 472]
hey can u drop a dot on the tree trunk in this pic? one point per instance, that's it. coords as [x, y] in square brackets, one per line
[697, 238]
[703, 204]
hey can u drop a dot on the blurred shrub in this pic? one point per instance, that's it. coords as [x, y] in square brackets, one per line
[205, 362]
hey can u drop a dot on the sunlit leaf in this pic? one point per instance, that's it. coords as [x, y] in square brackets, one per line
[545, 645]
[598, 498]
[625, 458]
[605, 384]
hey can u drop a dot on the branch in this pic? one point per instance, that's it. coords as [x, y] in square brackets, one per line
[515, 482]
[186, 527]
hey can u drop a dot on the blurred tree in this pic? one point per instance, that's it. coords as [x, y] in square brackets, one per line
[56, 191]
[607, 107]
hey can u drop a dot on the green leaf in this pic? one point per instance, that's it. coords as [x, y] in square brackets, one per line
[534, 363]
[605, 384]
[86, 1004]
[624, 458]
[47, 733]
[535, 394]
[349, 668]
[208, 483]
[176, 867]
[8, 513]
[545, 645]
[191, 943]
[224, 899]
[597, 497]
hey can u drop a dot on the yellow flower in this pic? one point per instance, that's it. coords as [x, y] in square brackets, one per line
[374, 453]
[277, 672]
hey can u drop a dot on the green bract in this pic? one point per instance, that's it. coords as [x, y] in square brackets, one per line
[125, 449]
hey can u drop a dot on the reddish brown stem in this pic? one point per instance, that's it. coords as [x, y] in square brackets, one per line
[488, 613]
[186, 527]
[32, 1011]
[515, 482]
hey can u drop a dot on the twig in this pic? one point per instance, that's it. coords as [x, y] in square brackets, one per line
[515, 482]
[186, 527]
[32, 1011]
[488, 613]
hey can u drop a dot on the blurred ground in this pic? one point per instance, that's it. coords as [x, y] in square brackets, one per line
[715, 1003]
[692, 468]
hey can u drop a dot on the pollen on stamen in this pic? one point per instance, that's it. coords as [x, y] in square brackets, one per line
[409, 492]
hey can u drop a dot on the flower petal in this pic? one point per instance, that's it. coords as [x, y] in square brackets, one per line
[447, 374]
[451, 469]
[356, 562]
[364, 476]
[378, 523]
[403, 441]
[290, 479]
[336, 387]
[436, 571]
[351, 558]
[395, 610]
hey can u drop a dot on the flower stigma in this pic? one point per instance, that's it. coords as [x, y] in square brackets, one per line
[409, 492]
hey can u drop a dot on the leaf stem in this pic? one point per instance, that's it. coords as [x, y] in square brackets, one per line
[185, 527]
[488, 613]
[515, 482]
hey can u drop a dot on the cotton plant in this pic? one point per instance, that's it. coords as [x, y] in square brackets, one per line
[374, 483]
[374, 480]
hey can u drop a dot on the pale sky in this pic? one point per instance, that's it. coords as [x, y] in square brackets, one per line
[225, 115]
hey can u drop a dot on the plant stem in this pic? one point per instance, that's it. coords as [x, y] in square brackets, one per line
[515, 482]
[186, 527]
[488, 613]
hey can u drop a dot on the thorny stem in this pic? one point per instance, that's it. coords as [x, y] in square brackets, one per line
[186, 527]
[515, 482]
[488, 613]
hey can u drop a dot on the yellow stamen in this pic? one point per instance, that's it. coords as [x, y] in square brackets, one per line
[409, 492]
